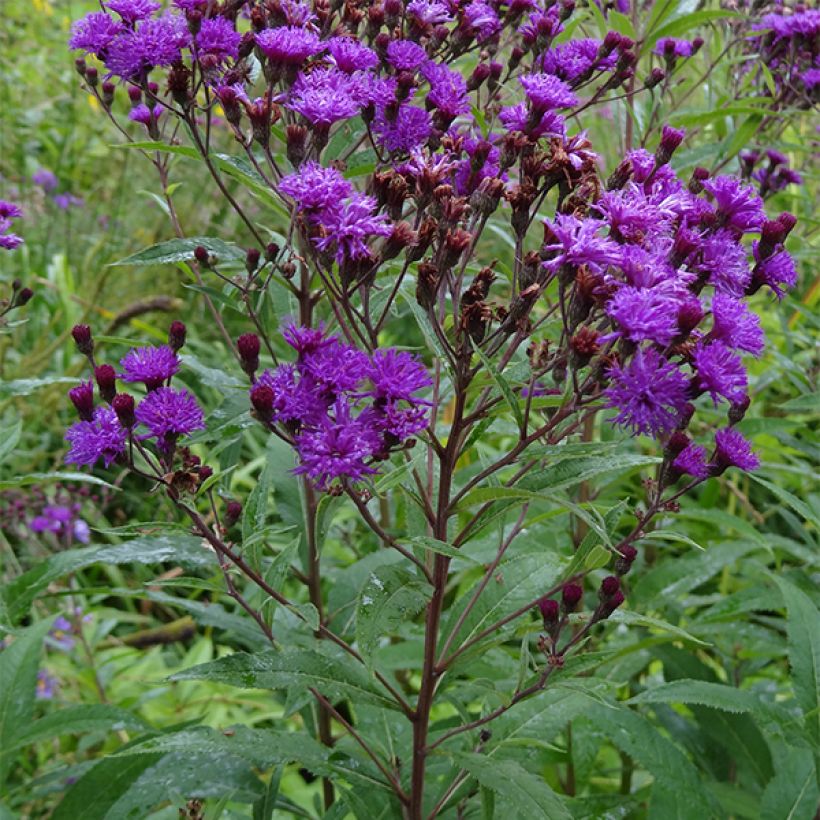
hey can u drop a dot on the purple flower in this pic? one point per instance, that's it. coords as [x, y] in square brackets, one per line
[9, 241]
[692, 461]
[719, 372]
[725, 260]
[630, 213]
[46, 687]
[738, 204]
[469, 175]
[429, 12]
[103, 438]
[448, 90]
[575, 58]
[577, 243]
[405, 55]
[308, 340]
[60, 635]
[170, 413]
[735, 325]
[315, 188]
[94, 32]
[649, 393]
[349, 55]
[62, 521]
[546, 92]
[409, 128]
[288, 46]
[293, 399]
[775, 271]
[347, 226]
[334, 368]
[402, 423]
[45, 179]
[645, 314]
[65, 201]
[396, 375]
[8, 210]
[338, 447]
[673, 47]
[482, 20]
[150, 365]
[325, 96]
[132, 10]
[156, 42]
[142, 114]
[733, 450]
[518, 118]
[218, 37]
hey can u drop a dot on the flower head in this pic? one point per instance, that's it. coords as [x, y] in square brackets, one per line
[315, 188]
[102, 438]
[738, 204]
[157, 41]
[348, 225]
[94, 32]
[724, 259]
[735, 325]
[649, 393]
[349, 55]
[288, 45]
[519, 118]
[132, 10]
[218, 37]
[325, 96]
[482, 20]
[576, 242]
[169, 413]
[546, 92]
[719, 372]
[407, 130]
[396, 375]
[645, 314]
[733, 450]
[673, 47]
[405, 55]
[692, 461]
[448, 90]
[575, 58]
[777, 271]
[150, 365]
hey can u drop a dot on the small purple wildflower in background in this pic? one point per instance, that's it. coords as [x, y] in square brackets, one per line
[60, 635]
[673, 47]
[150, 365]
[103, 438]
[8, 212]
[65, 201]
[44, 179]
[62, 521]
[168, 414]
[649, 393]
[733, 450]
[46, 687]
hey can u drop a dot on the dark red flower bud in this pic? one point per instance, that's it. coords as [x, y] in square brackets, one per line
[612, 40]
[201, 255]
[262, 401]
[92, 76]
[80, 66]
[788, 221]
[176, 335]
[571, 596]
[608, 607]
[623, 563]
[296, 144]
[479, 75]
[205, 473]
[549, 611]
[252, 257]
[690, 314]
[82, 397]
[738, 409]
[656, 77]
[135, 94]
[24, 296]
[123, 405]
[671, 138]
[83, 340]
[697, 44]
[106, 379]
[609, 586]
[233, 509]
[108, 90]
[271, 252]
[677, 443]
[248, 346]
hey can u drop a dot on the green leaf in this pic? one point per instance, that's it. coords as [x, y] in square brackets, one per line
[809, 403]
[503, 386]
[264, 807]
[9, 437]
[439, 547]
[255, 511]
[521, 791]
[627, 616]
[792, 793]
[53, 478]
[742, 135]
[24, 387]
[598, 557]
[390, 596]
[18, 683]
[803, 628]
[182, 549]
[800, 507]
[702, 693]
[182, 250]
[686, 23]
[333, 675]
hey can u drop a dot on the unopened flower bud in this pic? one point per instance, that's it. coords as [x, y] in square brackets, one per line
[135, 94]
[697, 44]
[296, 139]
[671, 138]
[678, 442]
[80, 66]
[608, 607]
[571, 596]
[123, 405]
[106, 379]
[201, 255]
[623, 563]
[262, 400]
[23, 297]
[82, 397]
[699, 176]
[252, 257]
[479, 75]
[738, 409]
[205, 472]
[248, 346]
[612, 40]
[83, 340]
[233, 510]
[609, 586]
[656, 76]
[92, 76]
[176, 335]
[550, 610]
[690, 313]
[108, 90]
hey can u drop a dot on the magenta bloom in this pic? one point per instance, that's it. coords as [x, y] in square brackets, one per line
[578, 243]
[575, 58]
[157, 41]
[720, 372]
[293, 399]
[481, 20]
[692, 461]
[348, 225]
[45, 179]
[673, 47]
[726, 263]
[429, 12]
[448, 90]
[409, 129]
[94, 32]
[396, 375]
[142, 114]
[518, 118]
[349, 55]
[737, 204]
[402, 423]
[150, 365]
[733, 450]
[288, 46]
[735, 325]
[325, 96]
[315, 188]
[338, 447]
[645, 314]
[308, 340]
[218, 37]
[334, 368]
[132, 10]
[169, 413]
[546, 92]
[405, 55]
[103, 438]
[777, 271]
[649, 393]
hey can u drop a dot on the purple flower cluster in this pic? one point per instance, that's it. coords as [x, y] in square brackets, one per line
[345, 410]
[165, 412]
[63, 521]
[8, 212]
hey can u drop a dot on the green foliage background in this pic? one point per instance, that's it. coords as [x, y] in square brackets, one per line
[702, 701]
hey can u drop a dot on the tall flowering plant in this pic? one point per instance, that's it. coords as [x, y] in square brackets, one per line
[419, 172]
